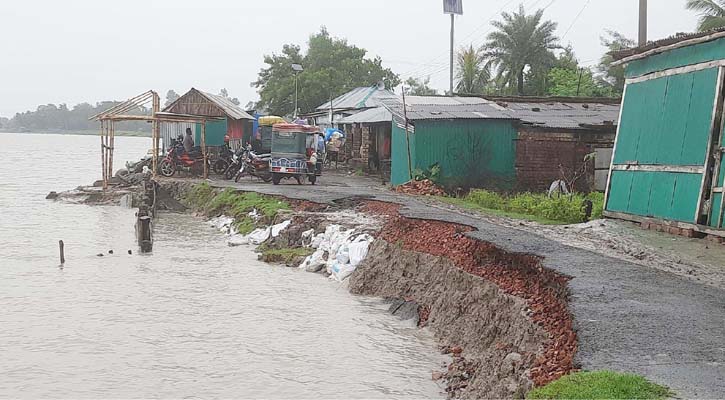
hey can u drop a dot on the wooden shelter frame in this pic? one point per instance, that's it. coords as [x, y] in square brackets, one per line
[120, 112]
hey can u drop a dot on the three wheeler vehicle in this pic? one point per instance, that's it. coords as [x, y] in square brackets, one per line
[297, 152]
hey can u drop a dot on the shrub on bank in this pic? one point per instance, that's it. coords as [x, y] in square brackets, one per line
[566, 209]
[236, 204]
[600, 385]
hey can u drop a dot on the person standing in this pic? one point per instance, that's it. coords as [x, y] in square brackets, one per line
[188, 141]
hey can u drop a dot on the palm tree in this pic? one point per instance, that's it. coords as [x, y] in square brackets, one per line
[520, 41]
[712, 13]
[472, 74]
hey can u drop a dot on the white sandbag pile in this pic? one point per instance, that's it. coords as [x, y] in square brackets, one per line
[344, 252]
[258, 236]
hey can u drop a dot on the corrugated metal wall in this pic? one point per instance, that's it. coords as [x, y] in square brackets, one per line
[171, 130]
[215, 132]
[399, 173]
[665, 122]
[480, 152]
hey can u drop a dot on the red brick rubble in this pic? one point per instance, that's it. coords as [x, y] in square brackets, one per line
[425, 187]
[516, 274]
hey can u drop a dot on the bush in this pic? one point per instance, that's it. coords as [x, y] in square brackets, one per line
[486, 199]
[566, 209]
[235, 204]
[600, 385]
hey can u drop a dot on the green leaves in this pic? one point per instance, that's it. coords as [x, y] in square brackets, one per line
[712, 13]
[473, 74]
[520, 41]
[332, 67]
[419, 87]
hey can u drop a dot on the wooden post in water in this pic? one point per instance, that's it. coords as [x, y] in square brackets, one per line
[62, 252]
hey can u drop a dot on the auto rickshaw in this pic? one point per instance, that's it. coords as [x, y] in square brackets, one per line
[296, 153]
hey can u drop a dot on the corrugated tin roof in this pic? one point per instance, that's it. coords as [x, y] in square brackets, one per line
[696, 37]
[229, 108]
[370, 116]
[442, 108]
[553, 114]
[362, 97]
[565, 115]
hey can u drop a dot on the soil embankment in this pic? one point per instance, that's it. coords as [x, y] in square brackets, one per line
[493, 340]
[503, 316]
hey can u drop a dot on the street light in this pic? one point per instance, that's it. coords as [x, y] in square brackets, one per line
[297, 68]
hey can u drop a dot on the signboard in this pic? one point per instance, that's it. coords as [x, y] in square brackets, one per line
[453, 7]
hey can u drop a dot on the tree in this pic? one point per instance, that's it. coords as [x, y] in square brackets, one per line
[575, 82]
[171, 96]
[332, 67]
[613, 75]
[472, 74]
[712, 13]
[419, 87]
[520, 41]
[224, 93]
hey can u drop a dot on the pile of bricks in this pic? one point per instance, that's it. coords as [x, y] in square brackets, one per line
[673, 230]
[424, 187]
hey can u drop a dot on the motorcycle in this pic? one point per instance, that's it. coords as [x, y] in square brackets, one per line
[234, 165]
[254, 165]
[177, 159]
[222, 162]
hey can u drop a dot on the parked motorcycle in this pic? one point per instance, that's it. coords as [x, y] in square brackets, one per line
[235, 164]
[254, 165]
[177, 159]
[222, 161]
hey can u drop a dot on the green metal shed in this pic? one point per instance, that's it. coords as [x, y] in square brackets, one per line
[477, 150]
[667, 164]
[473, 140]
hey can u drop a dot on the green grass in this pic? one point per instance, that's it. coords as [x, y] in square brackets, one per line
[286, 255]
[236, 204]
[600, 385]
[531, 206]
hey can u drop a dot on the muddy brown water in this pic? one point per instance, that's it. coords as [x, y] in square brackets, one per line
[194, 319]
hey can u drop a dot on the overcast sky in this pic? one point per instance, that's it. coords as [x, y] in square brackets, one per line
[89, 50]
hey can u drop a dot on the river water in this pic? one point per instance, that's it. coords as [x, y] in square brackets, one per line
[194, 319]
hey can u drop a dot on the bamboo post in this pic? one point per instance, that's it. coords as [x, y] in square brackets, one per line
[112, 137]
[407, 137]
[103, 155]
[61, 247]
[203, 148]
[155, 134]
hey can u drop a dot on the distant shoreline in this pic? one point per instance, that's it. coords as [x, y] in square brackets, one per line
[80, 133]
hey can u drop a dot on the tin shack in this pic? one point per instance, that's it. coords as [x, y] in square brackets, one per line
[234, 122]
[667, 167]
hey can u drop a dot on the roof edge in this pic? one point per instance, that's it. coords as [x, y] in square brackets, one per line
[552, 99]
[660, 46]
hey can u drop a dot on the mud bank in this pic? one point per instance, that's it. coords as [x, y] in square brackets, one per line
[492, 338]
[502, 316]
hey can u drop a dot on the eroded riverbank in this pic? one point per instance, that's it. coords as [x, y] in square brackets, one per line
[502, 316]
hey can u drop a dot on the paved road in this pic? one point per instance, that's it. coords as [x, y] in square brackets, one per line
[628, 317]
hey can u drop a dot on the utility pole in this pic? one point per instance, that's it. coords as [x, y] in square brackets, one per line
[453, 35]
[297, 68]
[452, 7]
[642, 22]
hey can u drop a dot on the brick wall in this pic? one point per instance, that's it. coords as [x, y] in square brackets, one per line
[539, 155]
